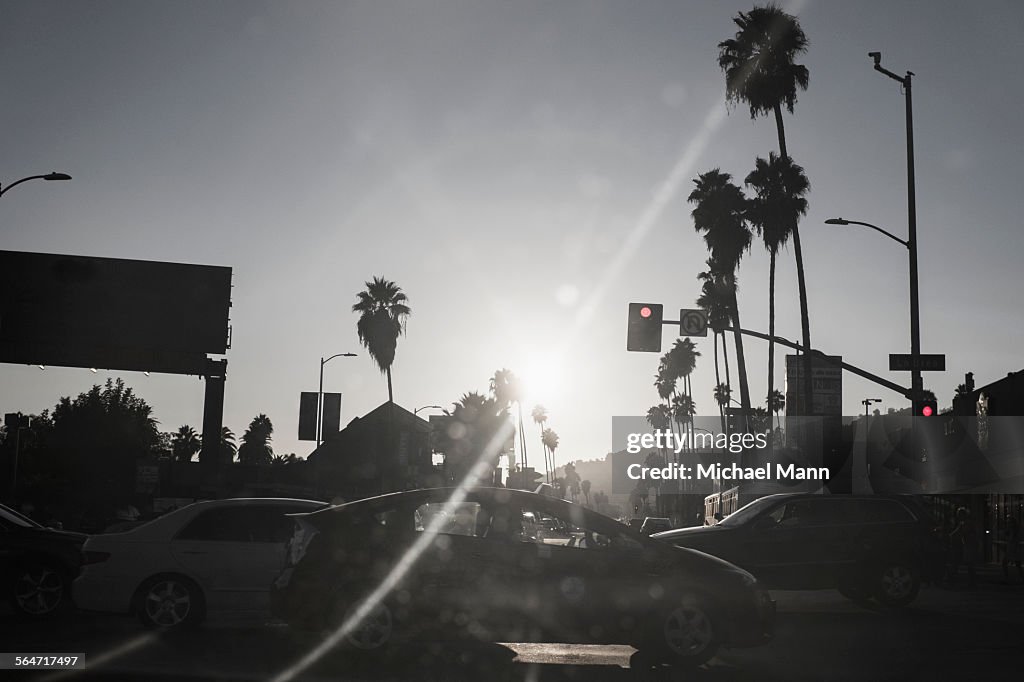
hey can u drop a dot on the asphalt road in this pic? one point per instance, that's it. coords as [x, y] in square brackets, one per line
[947, 634]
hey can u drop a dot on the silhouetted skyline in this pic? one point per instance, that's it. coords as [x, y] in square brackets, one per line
[521, 171]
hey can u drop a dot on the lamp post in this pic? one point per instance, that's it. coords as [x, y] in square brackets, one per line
[916, 385]
[320, 395]
[867, 403]
[48, 176]
[427, 407]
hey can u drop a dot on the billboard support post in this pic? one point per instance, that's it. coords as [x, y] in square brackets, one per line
[210, 455]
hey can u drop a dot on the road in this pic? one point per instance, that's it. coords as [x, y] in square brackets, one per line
[947, 634]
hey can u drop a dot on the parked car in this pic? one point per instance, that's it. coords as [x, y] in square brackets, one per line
[37, 565]
[865, 546]
[209, 558]
[655, 524]
[477, 571]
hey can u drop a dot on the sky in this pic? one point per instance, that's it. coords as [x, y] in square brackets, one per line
[521, 171]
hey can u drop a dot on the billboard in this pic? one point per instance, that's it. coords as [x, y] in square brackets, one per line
[111, 313]
[826, 383]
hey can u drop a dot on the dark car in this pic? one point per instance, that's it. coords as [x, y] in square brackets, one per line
[866, 547]
[37, 565]
[655, 524]
[457, 563]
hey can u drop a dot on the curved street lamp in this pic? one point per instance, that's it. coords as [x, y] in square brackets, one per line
[48, 176]
[427, 407]
[320, 395]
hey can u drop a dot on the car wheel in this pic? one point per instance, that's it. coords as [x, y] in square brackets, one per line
[170, 603]
[374, 631]
[685, 635]
[897, 583]
[39, 590]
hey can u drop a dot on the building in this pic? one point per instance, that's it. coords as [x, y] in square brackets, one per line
[387, 450]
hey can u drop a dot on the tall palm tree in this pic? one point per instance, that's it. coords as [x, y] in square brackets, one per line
[761, 71]
[540, 416]
[507, 391]
[779, 187]
[383, 310]
[550, 440]
[185, 443]
[720, 215]
[776, 404]
[714, 300]
[255, 447]
[681, 360]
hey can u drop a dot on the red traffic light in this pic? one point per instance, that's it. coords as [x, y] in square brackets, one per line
[927, 411]
[645, 312]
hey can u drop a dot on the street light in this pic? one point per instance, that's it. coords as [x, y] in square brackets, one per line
[915, 311]
[426, 407]
[320, 395]
[917, 385]
[867, 402]
[48, 176]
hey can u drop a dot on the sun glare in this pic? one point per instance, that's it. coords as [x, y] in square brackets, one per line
[541, 378]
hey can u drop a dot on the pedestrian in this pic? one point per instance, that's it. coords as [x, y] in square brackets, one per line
[963, 547]
[1012, 553]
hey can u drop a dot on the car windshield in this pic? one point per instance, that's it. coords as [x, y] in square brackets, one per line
[14, 518]
[748, 512]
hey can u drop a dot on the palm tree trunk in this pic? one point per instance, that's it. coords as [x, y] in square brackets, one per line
[805, 324]
[391, 393]
[522, 433]
[771, 325]
[741, 363]
[725, 356]
[718, 382]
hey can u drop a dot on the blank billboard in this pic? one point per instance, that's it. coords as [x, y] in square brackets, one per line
[111, 313]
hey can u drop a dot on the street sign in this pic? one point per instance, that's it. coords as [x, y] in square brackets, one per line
[693, 322]
[904, 362]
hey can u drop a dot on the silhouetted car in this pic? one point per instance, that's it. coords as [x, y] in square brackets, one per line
[655, 524]
[863, 546]
[217, 557]
[458, 564]
[37, 564]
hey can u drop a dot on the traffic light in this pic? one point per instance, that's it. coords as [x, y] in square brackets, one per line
[927, 408]
[644, 333]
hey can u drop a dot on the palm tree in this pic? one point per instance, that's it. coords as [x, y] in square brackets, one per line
[255, 447]
[774, 211]
[540, 415]
[185, 443]
[507, 391]
[550, 440]
[720, 215]
[723, 395]
[681, 361]
[228, 449]
[477, 422]
[383, 311]
[714, 300]
[760, 70]
[776, 404]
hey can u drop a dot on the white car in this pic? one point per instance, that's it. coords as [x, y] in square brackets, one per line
[217, 557]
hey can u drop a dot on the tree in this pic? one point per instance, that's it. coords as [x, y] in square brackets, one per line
[185, 443]
[255, 447]
[383, 310]
[228, 449]
[507, 391]
[720, 216]
[540, 416]
[776, 404]
[478, 431]
[774, 211]
[550, 440]
[761, 71]
[714, 299]
[97, 438]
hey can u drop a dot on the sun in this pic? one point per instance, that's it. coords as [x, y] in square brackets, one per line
[541, 378]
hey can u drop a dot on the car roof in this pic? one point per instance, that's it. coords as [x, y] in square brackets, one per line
[238, 501]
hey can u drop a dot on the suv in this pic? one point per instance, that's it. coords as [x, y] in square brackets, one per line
[868, 546]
